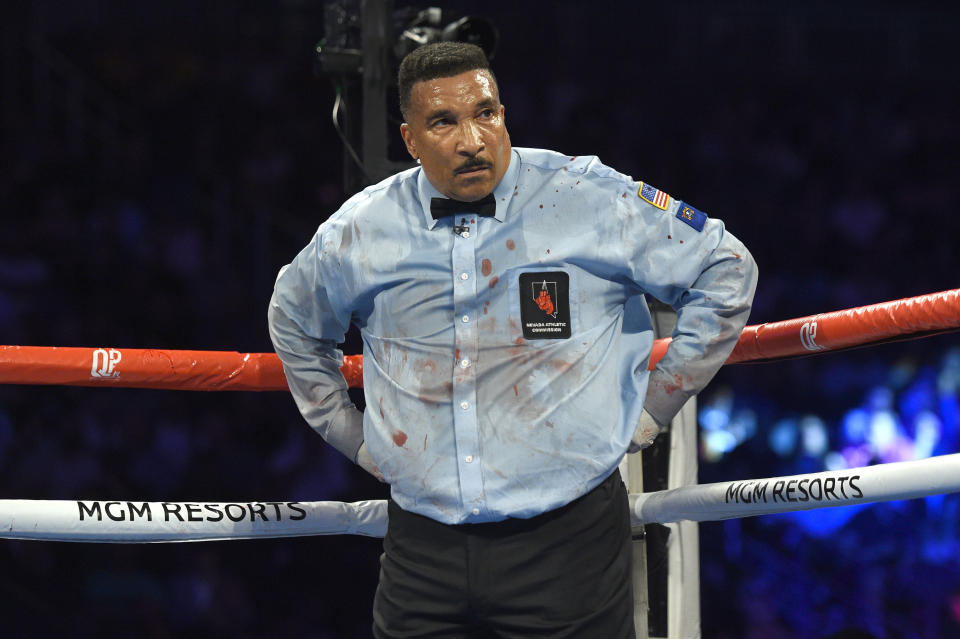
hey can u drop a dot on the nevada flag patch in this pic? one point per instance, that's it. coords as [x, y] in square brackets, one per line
[654, 196]
[692, 216]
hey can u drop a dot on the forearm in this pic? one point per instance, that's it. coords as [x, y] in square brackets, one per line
[711, 316]
[312, 367]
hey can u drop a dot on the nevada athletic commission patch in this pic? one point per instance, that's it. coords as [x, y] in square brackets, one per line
[545, 305]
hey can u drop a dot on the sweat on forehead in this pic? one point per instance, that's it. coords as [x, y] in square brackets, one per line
[439, 60]
[466, 90]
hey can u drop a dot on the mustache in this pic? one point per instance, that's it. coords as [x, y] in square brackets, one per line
[473, 164]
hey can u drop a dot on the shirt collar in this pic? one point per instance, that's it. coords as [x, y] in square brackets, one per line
[503, 192]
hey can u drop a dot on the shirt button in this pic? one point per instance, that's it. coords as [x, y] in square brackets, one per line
[464, 363]
[464, 276]
[465, 319]
[464, 405]
[468, 458]
[465, 235]
[476, 511]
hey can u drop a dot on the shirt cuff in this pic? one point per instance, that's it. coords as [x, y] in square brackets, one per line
[666, 395]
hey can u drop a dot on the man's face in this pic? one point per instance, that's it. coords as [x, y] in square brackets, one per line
[457, 130]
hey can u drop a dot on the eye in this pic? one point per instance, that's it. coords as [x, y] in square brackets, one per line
[441, 122]
[486, 114]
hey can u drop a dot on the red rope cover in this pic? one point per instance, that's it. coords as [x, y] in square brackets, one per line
[887, 321]
[152, 368]
[230, 370]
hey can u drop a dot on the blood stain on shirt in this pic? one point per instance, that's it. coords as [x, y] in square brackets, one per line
[518, 341]
[486, 267]
[670, 389]
[561, 365]
[669, 237]
[516, 393]
[512, 245]
[400, 438]
[381, 408]
[493, 281]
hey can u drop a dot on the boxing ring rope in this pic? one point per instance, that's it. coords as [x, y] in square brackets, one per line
[150, 522]
[143, 522]
[909, 318]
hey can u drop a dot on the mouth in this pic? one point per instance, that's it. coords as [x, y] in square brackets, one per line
[471, 171]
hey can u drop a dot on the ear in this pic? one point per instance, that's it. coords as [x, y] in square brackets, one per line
[503, 117]
[407, 134]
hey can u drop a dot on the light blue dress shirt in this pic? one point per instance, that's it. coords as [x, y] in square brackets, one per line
[468, 420]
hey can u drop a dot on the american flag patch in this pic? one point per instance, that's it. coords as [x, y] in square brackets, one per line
[654, 196]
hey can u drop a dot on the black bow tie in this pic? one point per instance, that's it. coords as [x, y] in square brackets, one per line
[442, 207]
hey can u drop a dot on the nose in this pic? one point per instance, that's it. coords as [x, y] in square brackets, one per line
[469, 139]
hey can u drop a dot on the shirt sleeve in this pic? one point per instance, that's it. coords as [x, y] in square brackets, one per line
[308, 317]
[709, 277]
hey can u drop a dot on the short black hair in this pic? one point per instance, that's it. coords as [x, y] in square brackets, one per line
[438, 60]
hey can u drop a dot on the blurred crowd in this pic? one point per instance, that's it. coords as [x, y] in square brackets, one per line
[828, 569]
[161, 163]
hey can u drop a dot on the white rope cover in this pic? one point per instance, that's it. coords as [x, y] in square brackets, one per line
[745, 498]
[147, 522]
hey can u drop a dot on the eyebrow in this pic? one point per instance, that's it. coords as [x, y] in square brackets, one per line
[486, 103]
[436, 115]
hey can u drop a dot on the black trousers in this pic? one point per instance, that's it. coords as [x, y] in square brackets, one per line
[564, 574]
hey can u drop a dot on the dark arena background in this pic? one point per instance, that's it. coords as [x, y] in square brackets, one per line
[161, 161]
